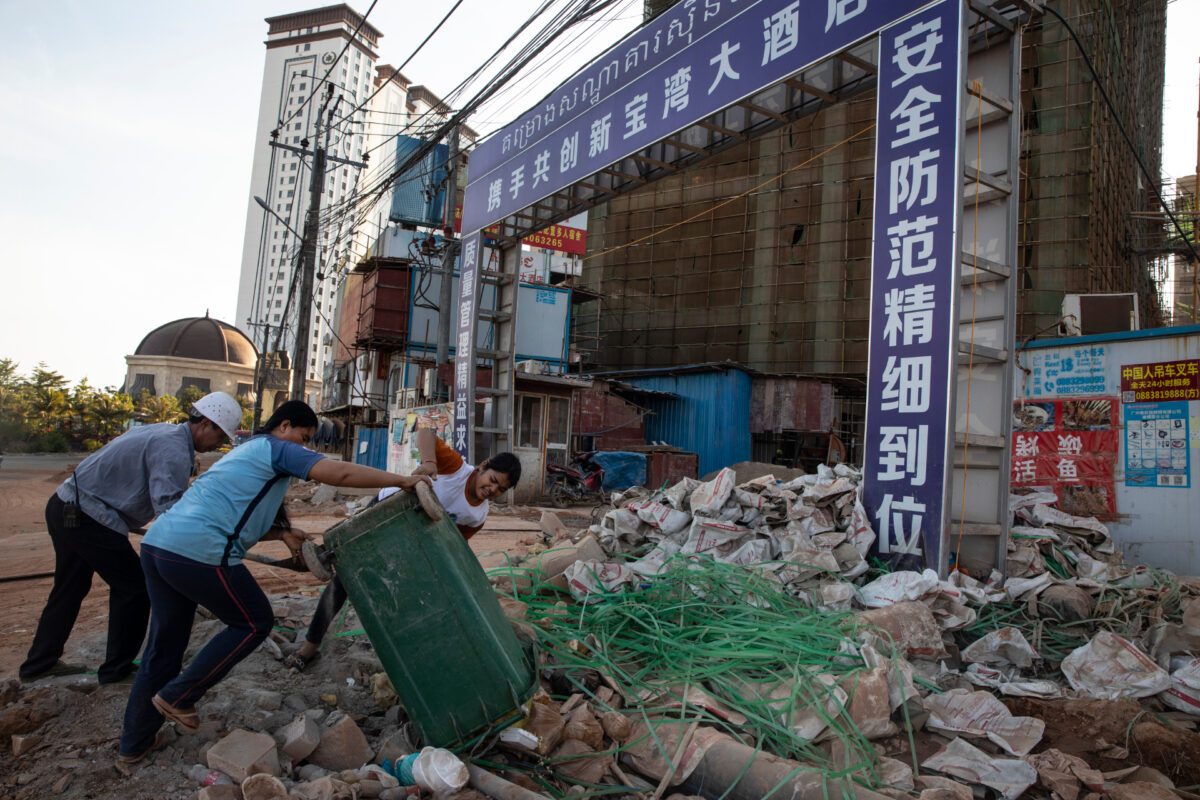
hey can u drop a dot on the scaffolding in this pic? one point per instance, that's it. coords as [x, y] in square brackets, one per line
[777, 279]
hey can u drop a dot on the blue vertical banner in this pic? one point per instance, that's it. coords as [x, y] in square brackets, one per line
[464, 361]
[914, 287]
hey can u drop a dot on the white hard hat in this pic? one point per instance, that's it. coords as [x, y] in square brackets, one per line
[222, 410]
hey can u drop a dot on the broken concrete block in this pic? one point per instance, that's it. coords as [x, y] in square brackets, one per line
[263, 787]
[299, 738]
[1068, 603]
[513, 609]
[326, 788]
[869, 704]
[583, 725]
[342, 745]
[946, 793]
[1140, 790]
[266, 699]
[394, 747]
[616, 725]
[323, 494]
[311, 772]
[552, 526]
[22, 743]
[552, 562]
[910, 625]
[221, 792]
[382, 690]
[242, 754]
[577, 761]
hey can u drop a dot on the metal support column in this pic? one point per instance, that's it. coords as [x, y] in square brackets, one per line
[497, 434]
[988, 299]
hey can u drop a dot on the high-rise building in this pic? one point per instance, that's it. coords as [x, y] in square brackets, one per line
[306, 53]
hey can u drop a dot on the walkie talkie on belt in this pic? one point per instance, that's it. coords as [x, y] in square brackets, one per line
[70, 514]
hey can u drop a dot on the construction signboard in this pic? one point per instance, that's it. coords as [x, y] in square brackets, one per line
[1166, 380]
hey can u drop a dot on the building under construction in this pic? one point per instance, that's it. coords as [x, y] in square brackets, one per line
[761, 255]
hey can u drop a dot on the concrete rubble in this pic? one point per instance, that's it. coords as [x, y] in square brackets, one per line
[1077, 676]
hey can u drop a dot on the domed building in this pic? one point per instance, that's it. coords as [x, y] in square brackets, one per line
[207, 353]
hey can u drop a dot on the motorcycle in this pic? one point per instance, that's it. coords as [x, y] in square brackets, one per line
[582, 479]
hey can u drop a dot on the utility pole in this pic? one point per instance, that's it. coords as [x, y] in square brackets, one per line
[260, 376]
[445, 296]
[308, 246]
[308, 257]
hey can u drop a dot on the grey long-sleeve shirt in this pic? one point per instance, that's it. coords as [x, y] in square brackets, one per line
[135, 477]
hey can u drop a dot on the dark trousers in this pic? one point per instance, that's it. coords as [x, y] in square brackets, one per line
[331, 602]
[80, 553]
[177, 585]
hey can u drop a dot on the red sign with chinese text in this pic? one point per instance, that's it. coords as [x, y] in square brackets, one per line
[1069, 447]
[555, 237]
[1165, 380]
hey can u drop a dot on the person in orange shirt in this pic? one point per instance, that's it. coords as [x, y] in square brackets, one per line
[462, 490]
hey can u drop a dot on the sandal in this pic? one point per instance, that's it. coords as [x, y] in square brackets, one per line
[300, 663]
[160, 739]
[186, 718]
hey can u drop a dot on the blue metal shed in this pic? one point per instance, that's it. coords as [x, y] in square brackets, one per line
[709, 414]
[372, 447]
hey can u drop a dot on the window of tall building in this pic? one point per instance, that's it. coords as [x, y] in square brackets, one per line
[276, 318]
[307, 46]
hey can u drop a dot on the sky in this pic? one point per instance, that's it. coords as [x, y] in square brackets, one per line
[128, 129]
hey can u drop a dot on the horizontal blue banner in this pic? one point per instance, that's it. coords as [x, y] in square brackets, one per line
[695, 59]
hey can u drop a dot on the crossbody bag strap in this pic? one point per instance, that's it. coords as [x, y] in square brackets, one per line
[237, 530]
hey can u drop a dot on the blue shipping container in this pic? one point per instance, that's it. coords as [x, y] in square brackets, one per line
[710, 417]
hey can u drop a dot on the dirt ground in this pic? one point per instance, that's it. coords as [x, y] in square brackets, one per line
[27, 557]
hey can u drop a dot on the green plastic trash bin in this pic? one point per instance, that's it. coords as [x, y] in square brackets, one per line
[433, 618]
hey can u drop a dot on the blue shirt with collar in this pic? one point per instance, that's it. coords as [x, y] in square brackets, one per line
[246, 488]
[135, 477]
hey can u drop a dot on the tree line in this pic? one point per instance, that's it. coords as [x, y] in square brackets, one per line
[42, 413]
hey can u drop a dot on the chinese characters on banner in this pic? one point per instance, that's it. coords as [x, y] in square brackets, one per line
[464, 369]
[693, 60]
[1156, 445]
[1166, 380]
[560, 238]
[914, 286]
[1068, 447]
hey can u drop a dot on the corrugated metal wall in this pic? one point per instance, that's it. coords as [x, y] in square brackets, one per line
[709, 418]
[372, 447]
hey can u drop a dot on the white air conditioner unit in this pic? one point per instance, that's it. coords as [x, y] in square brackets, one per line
[406, 398]
[429, 383]
[1087, 314]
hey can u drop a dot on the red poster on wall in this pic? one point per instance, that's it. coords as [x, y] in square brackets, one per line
[1069, 447]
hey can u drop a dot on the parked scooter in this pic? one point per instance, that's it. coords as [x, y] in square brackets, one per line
[582, 479]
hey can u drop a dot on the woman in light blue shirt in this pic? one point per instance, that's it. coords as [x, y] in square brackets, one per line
[192, 555]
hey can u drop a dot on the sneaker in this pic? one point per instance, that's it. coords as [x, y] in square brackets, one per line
[58, 669]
